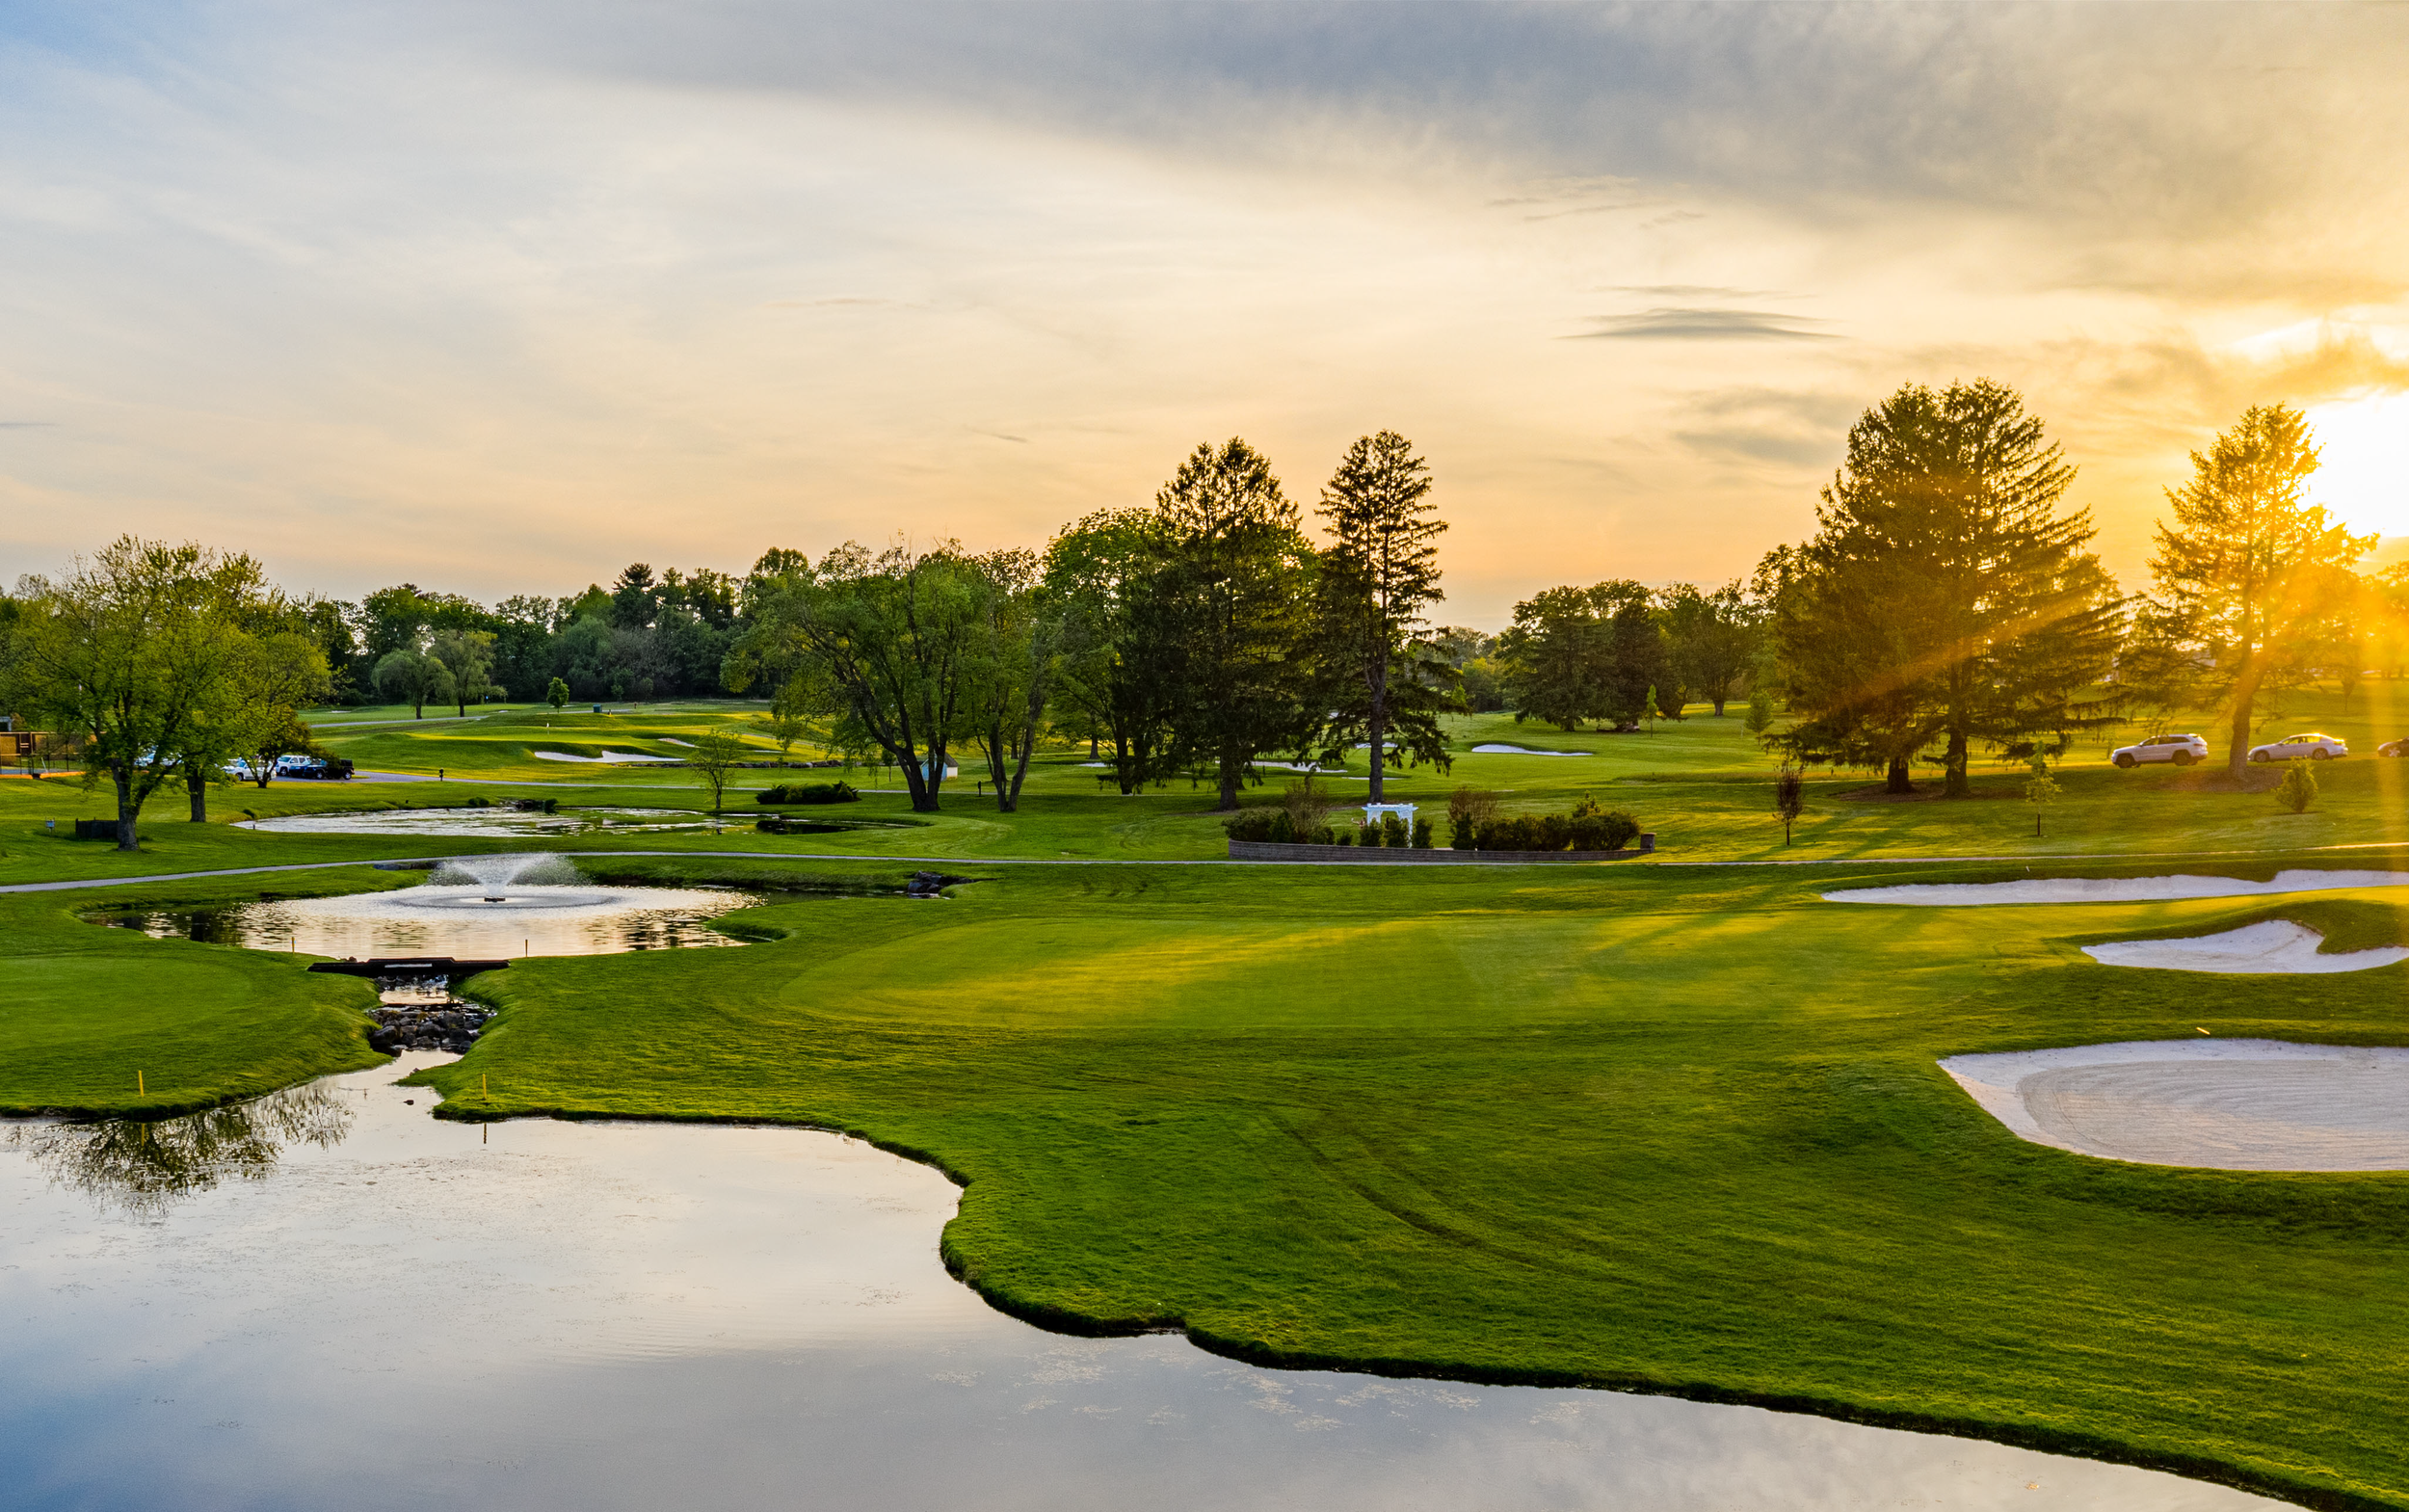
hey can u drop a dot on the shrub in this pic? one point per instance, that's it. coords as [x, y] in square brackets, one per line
[1421, 832]
[1392, 832]
[1367, 834]
[1307, 804]
[1471, 806]
[809, 793]
[2298, 789]
[1251, 824]
[1341, 837]
[1283, 828]
[1463, 835]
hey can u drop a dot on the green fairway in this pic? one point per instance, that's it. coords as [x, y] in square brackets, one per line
[1630, 1128]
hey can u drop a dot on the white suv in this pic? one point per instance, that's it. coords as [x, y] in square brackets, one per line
[2300, 748]
[2182, 749]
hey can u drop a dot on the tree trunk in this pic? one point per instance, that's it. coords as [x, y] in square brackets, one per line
[126, 809]
[1895, 780]
[916, 781]
[1719, 705]
[1378, 726]
[199, 787]
[1953, 782]
[2238, 752]
[1228, 773]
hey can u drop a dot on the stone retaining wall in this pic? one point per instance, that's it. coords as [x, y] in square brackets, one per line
[1381, 855]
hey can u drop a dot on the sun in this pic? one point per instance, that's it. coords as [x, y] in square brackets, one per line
[2363, 469]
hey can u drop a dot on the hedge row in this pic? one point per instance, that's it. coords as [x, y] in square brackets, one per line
[1586, 829]
[808, 793]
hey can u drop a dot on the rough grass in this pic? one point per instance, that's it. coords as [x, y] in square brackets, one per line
[1666, 1132]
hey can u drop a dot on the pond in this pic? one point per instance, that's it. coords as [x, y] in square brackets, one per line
[477, 907]
[497, 821]
[329, 1298]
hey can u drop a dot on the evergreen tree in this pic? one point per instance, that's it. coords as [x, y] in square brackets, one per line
[1948, 596]
[2252, 579]
[1380, 571]
[1234, 583]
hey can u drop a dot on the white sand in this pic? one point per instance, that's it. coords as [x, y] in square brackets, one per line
[1496, 750]
[2277, 945]
[2223, 1104]
[613, 756]
[2112, 890]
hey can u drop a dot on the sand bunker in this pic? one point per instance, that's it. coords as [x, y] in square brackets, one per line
[613, 756]
[2223, 1104]
[2277, 945]
[1496, 750]
[2112, 890]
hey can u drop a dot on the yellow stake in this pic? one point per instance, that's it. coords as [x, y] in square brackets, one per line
[139, 1088]
[482, 1089]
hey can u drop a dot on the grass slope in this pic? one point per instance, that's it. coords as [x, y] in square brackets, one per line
[1647, 1129]
[84, 1008]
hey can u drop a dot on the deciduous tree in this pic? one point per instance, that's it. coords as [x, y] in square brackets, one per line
[887, 643]
[127, 652]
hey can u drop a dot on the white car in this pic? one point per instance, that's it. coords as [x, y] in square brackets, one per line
[2301, 748]
[2182, 749]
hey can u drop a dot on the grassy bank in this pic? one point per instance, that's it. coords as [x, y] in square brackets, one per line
[90, 1014]
[1643, 1129]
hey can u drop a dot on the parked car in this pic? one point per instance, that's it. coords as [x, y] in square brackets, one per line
[2393, 748]
[2301, 748]
[307, 768]
[2182, 749]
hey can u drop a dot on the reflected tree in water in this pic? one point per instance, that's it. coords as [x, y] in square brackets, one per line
[141, 1169]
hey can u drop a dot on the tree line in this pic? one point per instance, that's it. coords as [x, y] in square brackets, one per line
[1948, 603]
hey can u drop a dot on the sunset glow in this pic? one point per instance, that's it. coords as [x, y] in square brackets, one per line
[533, 290]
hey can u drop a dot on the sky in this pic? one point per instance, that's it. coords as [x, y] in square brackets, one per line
[497, 297]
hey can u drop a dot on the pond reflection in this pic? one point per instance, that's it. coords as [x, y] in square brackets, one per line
[538, 1316]
[141, 1168]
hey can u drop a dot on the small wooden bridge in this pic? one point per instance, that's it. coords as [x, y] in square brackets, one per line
[449, 968]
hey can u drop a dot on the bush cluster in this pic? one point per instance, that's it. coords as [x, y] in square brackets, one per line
[1277, 827]
[808, 793]
[1587, 828]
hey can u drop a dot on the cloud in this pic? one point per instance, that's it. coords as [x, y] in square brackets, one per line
[1678, 324]
[1791, 428]
[1691, 291]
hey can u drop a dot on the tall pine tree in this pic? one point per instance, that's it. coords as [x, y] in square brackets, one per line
[2254, 581]
[1380, 571]
[1947, 598]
